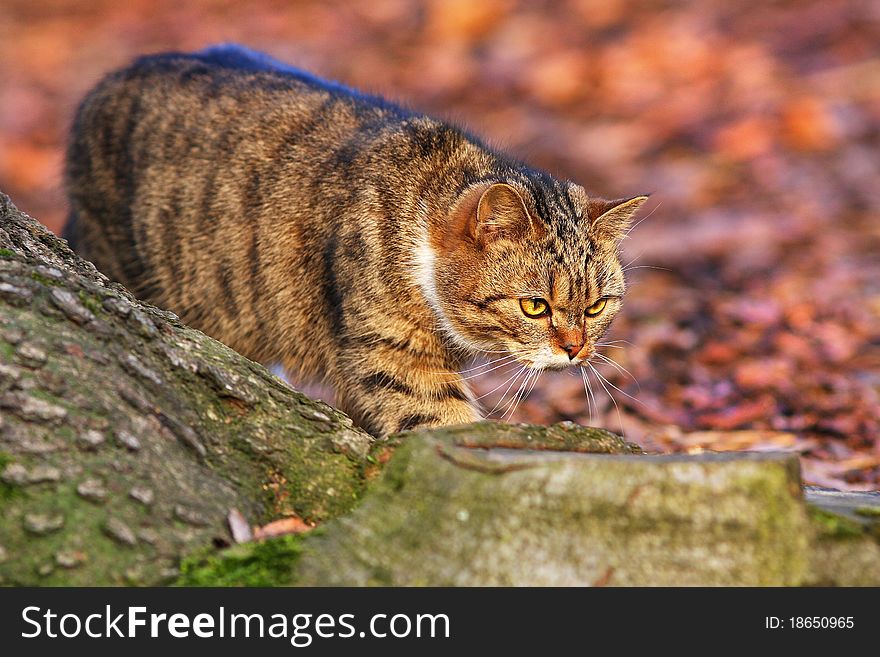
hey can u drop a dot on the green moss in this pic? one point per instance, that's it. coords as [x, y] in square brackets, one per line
[319, 483]
[105, 560]
[266, 563]
[831, 525]
[6, 491]
[52, 399]
[91, 303]
[779, 515]
[868, 511]
[7, 253]
[45, 280]
[394, 475]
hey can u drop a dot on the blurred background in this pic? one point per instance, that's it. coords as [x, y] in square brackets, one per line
[753, 318]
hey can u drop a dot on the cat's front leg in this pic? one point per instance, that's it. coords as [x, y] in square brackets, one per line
[403, 394]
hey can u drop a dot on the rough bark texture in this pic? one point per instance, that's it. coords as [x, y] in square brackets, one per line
[126, 439]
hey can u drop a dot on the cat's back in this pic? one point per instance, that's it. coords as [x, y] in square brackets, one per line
[197, 179]
[221, 74]
[199, 106]
[169, 153]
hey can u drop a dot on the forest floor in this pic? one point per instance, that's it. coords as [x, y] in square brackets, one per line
[753, 316]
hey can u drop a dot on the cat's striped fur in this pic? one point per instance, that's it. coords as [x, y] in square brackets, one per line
[347, 238]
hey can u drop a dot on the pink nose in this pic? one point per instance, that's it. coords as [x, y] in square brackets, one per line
[572, 349]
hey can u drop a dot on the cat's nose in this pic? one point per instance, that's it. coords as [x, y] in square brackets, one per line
[572, 349]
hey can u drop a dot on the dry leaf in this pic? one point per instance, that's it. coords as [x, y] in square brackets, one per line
[292, 525]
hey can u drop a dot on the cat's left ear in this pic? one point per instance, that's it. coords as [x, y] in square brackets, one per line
[501, 214]
[611, 219]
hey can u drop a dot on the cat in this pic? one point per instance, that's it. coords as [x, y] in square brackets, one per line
[350, 239]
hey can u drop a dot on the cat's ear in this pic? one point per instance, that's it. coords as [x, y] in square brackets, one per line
[611, 219]
[501, 214]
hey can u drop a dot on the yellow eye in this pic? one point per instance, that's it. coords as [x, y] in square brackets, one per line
[534, 307]
[597, 307]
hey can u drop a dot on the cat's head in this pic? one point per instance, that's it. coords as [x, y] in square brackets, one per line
[530, 269]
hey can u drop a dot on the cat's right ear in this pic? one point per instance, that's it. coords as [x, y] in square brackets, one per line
[611, 219]
[500, 214]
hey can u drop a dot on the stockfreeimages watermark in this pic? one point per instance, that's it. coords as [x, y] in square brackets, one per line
[300, 629]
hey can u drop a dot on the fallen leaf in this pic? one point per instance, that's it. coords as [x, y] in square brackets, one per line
[292, 525]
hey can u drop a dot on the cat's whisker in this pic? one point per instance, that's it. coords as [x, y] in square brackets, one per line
[472, 349]
[626, 266]
[507, 356]
[513, 400]
[522, 393]
[486, 364]
[537, 375]
[626, 269]
[477, 374]
[508, 388]
[648, 216]
[503, 360]
[620, 368]
[505, 363]
[611, 397]
[637, 401]
[591, 400]
[611, 342]
[456, 374]
[534, 383]
[496, 388]
[518, 399]
[501, 401]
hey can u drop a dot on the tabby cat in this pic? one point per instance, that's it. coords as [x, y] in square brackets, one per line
[345, 237]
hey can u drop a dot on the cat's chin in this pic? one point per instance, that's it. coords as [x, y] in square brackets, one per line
[550, 363]
[558, 367]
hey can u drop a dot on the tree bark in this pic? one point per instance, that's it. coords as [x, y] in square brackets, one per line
[453, 511]
[126, 438]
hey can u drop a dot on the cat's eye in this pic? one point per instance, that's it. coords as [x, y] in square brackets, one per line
[597, 307]
[534, 308]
